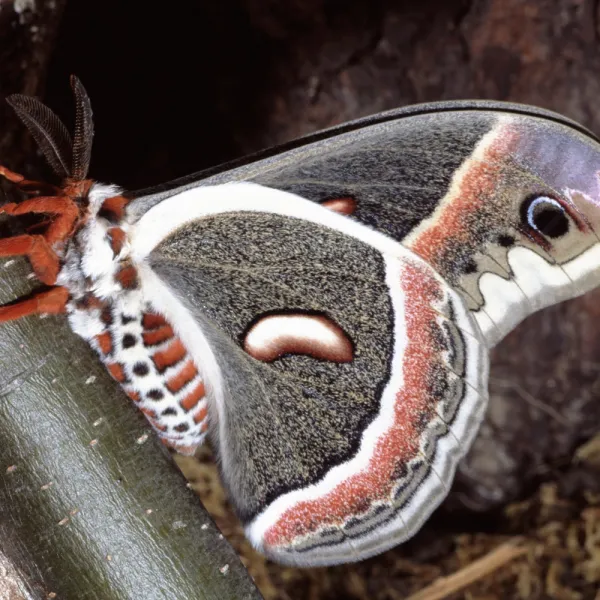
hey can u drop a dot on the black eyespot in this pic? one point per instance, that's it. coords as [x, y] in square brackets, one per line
[155, 394]
[181, 428]
[141, 369]
[168, 412]
[506, 240]
[545, 215]
[129, 340]
[470, 266]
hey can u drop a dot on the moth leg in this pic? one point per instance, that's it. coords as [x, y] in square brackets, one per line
[11, 175]
[52, 301]
[43, 259]
[26, 185]
[64, 210]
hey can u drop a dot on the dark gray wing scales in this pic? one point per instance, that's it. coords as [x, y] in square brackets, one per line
[397, 171]
[287, 421]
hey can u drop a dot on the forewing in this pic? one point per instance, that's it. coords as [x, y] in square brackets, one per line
[328, 460]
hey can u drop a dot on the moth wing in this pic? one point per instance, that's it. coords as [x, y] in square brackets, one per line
[339, 425]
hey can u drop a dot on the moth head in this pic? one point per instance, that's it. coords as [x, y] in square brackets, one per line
[68, 157]
[53, 215]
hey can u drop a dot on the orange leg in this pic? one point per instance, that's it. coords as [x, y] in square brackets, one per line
[43, 259]
[26, 185]
[52, 301]
[11, 175]
[64, 208]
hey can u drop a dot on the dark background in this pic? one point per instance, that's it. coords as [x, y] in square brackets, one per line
[178, 87]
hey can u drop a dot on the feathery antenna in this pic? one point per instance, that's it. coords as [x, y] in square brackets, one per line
[48, 131]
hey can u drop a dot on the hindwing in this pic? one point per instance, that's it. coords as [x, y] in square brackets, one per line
[341, 441]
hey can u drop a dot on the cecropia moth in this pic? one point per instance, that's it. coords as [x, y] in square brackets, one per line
[324, 311]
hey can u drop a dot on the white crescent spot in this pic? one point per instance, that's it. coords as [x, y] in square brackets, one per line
[296, 333]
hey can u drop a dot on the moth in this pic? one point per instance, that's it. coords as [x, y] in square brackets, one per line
[324, 311]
